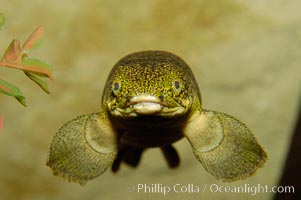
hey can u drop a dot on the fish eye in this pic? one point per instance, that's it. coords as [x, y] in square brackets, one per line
[116, 87]
[177, 86]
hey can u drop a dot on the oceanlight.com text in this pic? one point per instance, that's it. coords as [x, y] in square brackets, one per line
[213, 188]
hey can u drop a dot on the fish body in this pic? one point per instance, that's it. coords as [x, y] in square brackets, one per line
[152, 99]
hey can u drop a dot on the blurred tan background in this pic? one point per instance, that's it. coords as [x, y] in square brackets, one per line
[246, 56]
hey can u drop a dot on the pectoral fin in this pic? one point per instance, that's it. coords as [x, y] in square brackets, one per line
[225, 146]
[83, 148]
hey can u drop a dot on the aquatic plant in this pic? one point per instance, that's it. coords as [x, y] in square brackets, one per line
[16, 57]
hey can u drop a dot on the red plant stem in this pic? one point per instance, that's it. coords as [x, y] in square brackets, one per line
[0, 123]
[28, 68]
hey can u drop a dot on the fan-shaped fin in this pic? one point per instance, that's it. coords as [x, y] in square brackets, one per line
[83, 148]
[225, 146]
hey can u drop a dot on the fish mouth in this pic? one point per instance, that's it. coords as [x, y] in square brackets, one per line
[147, 105]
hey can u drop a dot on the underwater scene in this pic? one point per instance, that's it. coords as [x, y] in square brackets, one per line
[175, 99]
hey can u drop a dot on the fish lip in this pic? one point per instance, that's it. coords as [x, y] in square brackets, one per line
[145, 99]
[146, 104]
[147, 108]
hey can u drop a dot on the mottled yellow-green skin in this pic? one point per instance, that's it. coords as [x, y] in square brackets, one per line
[152, 73]
[151, 99]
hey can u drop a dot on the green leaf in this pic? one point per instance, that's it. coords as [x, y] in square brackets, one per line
[2, 20]
[12, 90]
[38, 81]
[38, 67]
